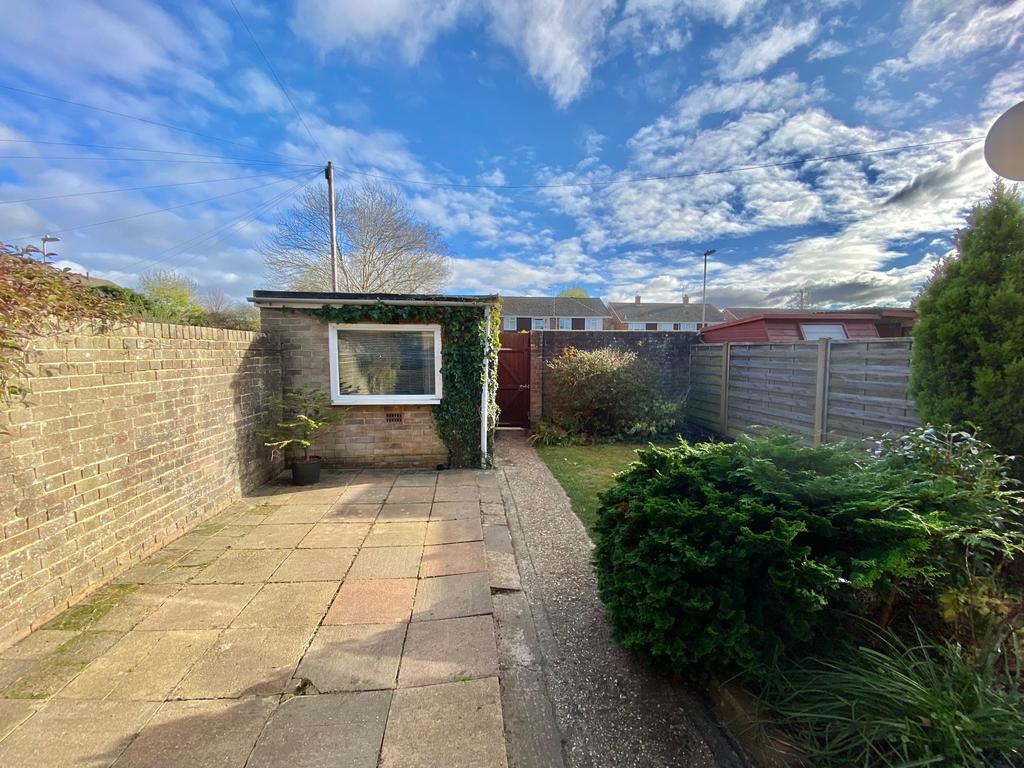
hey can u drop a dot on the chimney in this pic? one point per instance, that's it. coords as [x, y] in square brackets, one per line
[636, 300]
[686, 298]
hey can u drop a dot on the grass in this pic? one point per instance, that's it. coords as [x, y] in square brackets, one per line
[586, 470]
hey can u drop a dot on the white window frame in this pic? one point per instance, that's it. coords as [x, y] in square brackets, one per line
[509, 323]
[564, 323]
[594, 324]
[539, 323]
[332, 345]
[840, 326]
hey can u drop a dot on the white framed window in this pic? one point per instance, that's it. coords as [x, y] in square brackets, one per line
[508, 322]
[540, 323]
[664, 326]
[565, 323]
[688, 326]
[636, 326]
[380, 364]
[816, 331]
[594, 324]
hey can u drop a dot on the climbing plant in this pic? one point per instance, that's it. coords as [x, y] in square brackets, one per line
[465, 335]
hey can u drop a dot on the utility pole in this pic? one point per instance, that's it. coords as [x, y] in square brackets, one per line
[704, 293]
[329, 175]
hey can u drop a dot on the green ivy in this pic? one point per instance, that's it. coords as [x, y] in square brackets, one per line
[465, 336]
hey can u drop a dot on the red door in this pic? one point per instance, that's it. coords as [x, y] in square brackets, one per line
[514, 380]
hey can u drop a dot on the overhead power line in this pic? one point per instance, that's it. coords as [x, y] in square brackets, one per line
[141, 149]
[127, 116]
[664, 177]
[161, 210]
[277, 79]
[155, 160]
[136, 189]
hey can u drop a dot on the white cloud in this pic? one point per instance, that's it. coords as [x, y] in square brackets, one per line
[261, 93]
[744, 57]
[1005, 90]
[828, 49]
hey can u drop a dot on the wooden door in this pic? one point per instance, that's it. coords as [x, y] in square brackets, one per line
[514, 380]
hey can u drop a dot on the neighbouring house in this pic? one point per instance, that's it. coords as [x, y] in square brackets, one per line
[565, 313]
[637, 315]
[890, 322]
[402, 366]
[795, 326]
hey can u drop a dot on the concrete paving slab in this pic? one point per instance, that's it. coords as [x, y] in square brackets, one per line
[448, 650]
[373, 601]
[409, 511]
[490, 496]
[75, 734]
[457, 725]
[503, 571]
[135, 607]
[326, 731]
[456, 477]
[453, 531]
[455, 510]
[497, 538]
[179, 574]
[365, 493]
[199, 557]
[242, 566]
[268, 536]
[13, 713]
[457, 493]
[298, 513]
[386, 563]
[416, 478]
[288, 606]
[201, 606]
[448, 597]
[402, 534]
[12, 669]
[449, 559]
[411, 494]
[315, 565]
[245, 662]
[41, 643]
[353, 513]
[144, 666]
[353, 657]
[335, 535]
[199, 734]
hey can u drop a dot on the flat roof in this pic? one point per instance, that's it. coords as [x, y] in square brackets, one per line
[320, 298]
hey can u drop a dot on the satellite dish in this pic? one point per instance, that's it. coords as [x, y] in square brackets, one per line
[1004, 145]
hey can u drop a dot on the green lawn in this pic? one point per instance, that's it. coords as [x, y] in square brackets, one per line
[586, 470]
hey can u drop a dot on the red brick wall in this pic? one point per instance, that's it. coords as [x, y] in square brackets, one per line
[125, 442]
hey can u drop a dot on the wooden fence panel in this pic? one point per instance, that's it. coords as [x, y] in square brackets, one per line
[822, 391]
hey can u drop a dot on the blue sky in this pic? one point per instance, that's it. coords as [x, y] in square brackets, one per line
[580, 102]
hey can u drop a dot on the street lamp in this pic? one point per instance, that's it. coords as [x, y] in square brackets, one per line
[704, 294]
[49, 239]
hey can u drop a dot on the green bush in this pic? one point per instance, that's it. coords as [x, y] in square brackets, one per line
[968, 356]
[898, 704]
[606, 394]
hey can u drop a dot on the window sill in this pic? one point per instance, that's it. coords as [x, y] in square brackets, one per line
[386, 400]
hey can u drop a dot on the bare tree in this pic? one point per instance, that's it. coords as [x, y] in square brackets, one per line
[383, 247]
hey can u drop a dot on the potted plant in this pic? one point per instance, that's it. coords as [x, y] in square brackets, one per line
[296, 419]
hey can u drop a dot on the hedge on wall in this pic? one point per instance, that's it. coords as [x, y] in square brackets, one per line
[465, 335]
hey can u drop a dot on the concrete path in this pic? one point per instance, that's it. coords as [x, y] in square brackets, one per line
[611, 710]
[347, 624]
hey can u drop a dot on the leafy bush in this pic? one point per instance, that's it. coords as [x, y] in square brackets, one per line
[606, 393]
[968, 357]
[899, 704]
[715, 558]
[38, 300]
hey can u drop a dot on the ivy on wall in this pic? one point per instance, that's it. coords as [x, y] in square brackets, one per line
[465, 335]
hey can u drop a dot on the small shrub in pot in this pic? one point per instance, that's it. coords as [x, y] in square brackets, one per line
[295, 421]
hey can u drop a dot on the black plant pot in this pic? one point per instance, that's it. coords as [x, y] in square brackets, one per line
[306, 472]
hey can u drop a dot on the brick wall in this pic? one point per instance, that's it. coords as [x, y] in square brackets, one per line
[366, 437]
[127, 441]
[667, 351]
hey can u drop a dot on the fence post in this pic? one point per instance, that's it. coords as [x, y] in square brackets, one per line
[821, 392]
[723, 399]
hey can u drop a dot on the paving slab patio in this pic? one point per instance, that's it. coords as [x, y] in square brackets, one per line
[345, 624]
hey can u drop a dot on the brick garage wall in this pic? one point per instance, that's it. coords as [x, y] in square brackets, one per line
[667, 351]
[366, 437]
[127, 441]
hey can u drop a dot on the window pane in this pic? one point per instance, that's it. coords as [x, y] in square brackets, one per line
[386, 362]
[539, 323]
[822, 331]
[509, 323]
[565, 324]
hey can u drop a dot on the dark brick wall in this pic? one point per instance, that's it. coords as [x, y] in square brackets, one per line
[667, 351]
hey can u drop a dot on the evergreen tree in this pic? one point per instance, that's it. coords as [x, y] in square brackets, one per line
[968, 362]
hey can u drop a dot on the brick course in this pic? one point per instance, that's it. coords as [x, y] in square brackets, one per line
[365, 437]
[126, 441]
